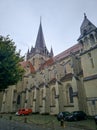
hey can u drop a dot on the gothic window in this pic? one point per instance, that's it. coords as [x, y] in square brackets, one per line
[18, 99]
[86, 42]
[91, 60]
[81, 42]
[92, 40]
[70, 94]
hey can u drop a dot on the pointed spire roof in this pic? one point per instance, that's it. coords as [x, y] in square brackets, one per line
[40, 42]
[40, 46]
[86, 27]
[51, 52]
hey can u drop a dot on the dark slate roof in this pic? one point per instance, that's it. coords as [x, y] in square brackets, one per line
[40, 42]
[74, 49]
[51, 52]
[40, 45]
[86, 27]
[26, 65]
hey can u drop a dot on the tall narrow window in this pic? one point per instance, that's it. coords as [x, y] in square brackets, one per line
[86, 43]
[92, 40]
[91, 60]
[18, 99]
[81, 42]
[70, 94]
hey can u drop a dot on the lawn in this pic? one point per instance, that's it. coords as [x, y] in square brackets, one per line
[49, 121]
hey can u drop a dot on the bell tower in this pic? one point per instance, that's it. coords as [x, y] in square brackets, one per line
[39, 54]
[88, 34]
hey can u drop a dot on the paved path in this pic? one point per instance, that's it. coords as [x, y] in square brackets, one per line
[12, 125]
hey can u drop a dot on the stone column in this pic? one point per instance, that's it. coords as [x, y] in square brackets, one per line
[26, 98]
[57, 98]
[3, 102]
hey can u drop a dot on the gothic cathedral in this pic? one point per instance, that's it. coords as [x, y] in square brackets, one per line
[65, 82]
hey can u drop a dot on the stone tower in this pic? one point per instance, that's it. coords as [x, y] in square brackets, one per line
[88, 40]
[39, 54]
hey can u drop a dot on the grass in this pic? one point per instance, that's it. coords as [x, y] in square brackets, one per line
[49, 121]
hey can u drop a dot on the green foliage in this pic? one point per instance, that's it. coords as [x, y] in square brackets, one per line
[10, 70]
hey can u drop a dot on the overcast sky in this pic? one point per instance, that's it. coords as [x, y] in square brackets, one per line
[61, 21]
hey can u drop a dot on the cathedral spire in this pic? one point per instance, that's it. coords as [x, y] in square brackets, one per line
[40, 42]
[86, 27]
[51, 52]
[40, 46]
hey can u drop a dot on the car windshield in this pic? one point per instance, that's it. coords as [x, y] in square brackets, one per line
[66, 113]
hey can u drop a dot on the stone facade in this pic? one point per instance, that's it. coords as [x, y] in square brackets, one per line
[65, 82]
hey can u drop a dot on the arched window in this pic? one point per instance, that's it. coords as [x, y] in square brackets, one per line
[86, 43]
[92, 40]
[91, 60]
[81, 42]
[18, 99]
[71, 94]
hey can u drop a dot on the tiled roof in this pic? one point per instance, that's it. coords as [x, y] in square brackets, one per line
[26, 64]
[66, 53]
[47, 63]
[62, 55]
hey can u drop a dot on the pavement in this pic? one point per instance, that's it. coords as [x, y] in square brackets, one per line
[13, 125]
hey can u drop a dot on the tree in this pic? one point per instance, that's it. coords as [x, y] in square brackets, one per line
[10, 69]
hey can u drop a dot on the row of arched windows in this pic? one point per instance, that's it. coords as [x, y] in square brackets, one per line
[69, 95]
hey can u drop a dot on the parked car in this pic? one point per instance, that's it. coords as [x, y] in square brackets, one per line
[24, 111]
[76, 115]
[95, 118]
[62, 115]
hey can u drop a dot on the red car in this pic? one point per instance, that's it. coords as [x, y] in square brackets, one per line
[24, 111]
